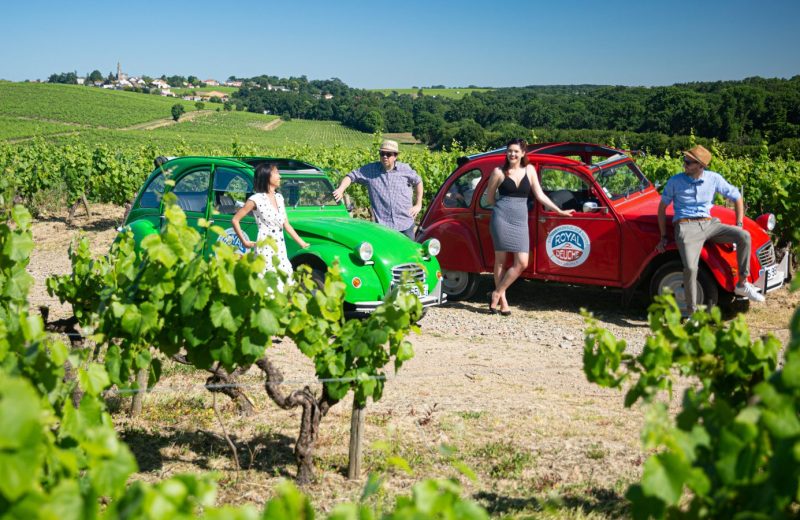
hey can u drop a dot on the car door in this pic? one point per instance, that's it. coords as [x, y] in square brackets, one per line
[231, 189]
[191, 190]
[584, 247]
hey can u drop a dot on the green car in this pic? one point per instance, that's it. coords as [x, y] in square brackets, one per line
[372, 258]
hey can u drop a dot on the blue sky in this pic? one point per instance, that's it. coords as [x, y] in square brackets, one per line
[383, 44]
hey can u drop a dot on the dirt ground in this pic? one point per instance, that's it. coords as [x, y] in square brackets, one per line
[506, 394]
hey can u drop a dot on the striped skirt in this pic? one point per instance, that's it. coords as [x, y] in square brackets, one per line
[509, 225]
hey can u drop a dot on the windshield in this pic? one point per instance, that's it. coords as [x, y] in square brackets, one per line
[621, 180]
[306, 192]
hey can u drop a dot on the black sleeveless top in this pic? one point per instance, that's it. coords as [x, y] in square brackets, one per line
[509, 189]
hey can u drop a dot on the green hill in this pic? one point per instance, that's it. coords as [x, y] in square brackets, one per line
[92, 115]
[80, 105]
[452, 93]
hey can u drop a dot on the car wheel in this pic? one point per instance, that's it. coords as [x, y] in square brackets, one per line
[459, 285]
[670, 275]
[318, 277]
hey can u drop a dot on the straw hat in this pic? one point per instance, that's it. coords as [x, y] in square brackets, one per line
[699, 154]
[389, 146]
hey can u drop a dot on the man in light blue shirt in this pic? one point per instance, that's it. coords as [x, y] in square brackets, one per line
[692, 194]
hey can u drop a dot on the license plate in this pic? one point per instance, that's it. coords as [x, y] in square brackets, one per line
[774, 276]
[414, 289]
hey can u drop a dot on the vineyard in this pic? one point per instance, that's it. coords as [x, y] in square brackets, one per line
[191, 392]
[113, 169]
[93, 107]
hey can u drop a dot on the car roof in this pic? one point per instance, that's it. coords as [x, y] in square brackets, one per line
[190, 160]
[561, 148]
[283, 164]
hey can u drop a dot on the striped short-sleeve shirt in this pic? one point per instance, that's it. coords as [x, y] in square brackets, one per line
[389, 192]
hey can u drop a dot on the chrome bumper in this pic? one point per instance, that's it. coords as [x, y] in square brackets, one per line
[774, 276]
[437, 297]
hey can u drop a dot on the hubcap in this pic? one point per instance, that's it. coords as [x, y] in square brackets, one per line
[674, 281]
[454, 282]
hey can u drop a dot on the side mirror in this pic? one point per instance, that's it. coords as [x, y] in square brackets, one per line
[590, 207]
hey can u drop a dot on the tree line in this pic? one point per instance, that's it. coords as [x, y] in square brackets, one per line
[741, 114]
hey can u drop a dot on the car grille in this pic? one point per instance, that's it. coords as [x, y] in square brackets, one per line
[416, 273]
[766, 254]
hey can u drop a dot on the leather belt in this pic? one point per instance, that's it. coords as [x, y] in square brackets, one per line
[692, 219]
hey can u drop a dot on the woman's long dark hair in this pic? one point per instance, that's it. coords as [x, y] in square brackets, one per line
[524, 160]
[262, 177]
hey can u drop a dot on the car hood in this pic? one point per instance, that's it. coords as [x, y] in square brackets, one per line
[351, 232]
[644, 212]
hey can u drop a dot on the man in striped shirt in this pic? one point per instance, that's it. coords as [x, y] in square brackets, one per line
[388, 183]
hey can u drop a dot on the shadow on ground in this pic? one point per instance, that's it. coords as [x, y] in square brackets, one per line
[601, 501]
[534, 295]
[270, 453]
[96, 224]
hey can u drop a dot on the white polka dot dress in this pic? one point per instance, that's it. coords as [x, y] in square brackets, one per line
[270, 224]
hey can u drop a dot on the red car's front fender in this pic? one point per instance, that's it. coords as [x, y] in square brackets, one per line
[460, 247]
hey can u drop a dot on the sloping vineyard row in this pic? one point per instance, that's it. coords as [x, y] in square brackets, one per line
[113, 174]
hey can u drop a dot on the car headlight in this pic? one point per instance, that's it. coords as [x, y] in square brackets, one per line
[433, 247]
[365, 251]
[767, 221]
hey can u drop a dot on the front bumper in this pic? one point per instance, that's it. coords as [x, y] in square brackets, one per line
[774, 276]
[437, 297]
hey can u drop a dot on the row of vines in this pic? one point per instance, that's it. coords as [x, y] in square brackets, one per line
[60, 454]
[41, 170]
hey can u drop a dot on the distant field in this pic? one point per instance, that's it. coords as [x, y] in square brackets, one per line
[455, 93]
[183, 91]
[89, 106]
[95, 116]
[20, 128]
[316, 133]
[218, 131]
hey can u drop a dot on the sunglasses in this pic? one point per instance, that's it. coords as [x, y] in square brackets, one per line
[387, 154]
[689, 162]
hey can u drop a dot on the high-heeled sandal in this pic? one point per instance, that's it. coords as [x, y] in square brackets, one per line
[492, 310]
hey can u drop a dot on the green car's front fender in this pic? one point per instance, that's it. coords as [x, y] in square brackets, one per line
[361, 279]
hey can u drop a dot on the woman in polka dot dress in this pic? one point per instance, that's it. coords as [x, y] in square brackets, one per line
[270, 213]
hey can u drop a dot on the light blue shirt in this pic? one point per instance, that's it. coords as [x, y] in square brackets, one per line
[694, 198]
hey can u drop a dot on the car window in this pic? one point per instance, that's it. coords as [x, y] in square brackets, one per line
[307, 192]
[231, 190]
[151, 197]
[192, 191]
[459, 195]
[621, 180]
[566, 189]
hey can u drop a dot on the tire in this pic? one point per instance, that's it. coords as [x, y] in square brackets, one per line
[671, 275]
[459, 285]
[318, 277]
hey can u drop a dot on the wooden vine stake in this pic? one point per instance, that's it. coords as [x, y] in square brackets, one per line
[356, 434]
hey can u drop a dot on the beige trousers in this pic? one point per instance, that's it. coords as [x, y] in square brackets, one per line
[690, 237]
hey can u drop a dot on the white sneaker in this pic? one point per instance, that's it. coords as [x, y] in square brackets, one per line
[750, 292]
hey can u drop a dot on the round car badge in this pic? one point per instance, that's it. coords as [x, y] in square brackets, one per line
[232, 239]
[568, 246]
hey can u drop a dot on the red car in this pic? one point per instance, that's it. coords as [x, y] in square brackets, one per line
[610, 240]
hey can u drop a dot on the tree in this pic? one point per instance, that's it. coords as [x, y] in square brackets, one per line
[96, 75]
[69, 78]
[200, 105]
[177, 111]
